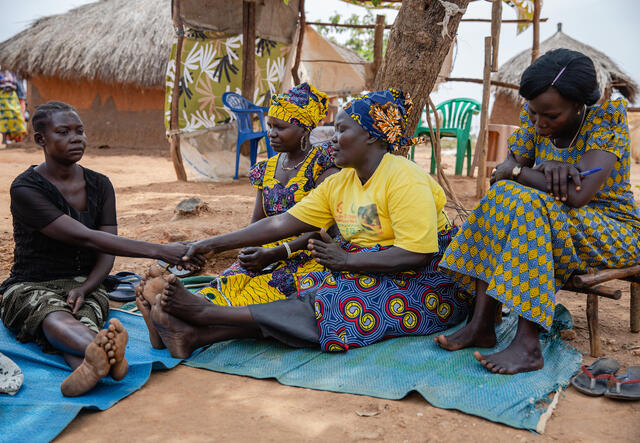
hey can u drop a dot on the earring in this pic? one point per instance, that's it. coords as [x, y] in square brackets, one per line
[303, 142]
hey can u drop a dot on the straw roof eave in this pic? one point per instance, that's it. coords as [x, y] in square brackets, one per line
[609, 74]
[109, 40]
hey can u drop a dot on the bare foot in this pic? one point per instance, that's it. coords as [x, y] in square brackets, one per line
[118, 338]
[467, 337]
[178, 336]
[179, 302]
[145, 309]
[519, 356]
[152, 283]
[522, 355]
[94, 366]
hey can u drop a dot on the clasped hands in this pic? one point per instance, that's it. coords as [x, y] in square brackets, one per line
[557, 175]
[323, 249]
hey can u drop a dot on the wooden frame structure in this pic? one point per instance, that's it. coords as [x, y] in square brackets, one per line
[591, 284]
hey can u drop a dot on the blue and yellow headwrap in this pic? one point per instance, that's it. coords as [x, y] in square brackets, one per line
[384, 115]
[302, 105]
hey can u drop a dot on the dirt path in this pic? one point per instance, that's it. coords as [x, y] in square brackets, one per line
[189, 404]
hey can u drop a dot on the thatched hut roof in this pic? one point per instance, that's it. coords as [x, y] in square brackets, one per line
[609, 74]
[114, 41]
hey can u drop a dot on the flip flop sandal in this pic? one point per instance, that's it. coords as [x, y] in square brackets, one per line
[124, 291]
[112, 281]
[594, 379]
[174, 269]
[627, 386]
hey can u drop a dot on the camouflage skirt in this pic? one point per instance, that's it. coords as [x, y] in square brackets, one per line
[24, 306]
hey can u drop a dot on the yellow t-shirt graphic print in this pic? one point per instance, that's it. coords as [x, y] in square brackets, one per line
[358, 219]
[400, 205]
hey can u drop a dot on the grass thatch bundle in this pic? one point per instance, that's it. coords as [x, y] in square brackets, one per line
[609, 74]
[114, 41]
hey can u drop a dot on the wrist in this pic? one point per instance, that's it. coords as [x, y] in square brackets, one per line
[278, 253]
[210, 245]
[347, 262]
[515, 172]
[157, 251]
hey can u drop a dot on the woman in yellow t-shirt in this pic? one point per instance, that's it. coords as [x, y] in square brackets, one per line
[382, 278]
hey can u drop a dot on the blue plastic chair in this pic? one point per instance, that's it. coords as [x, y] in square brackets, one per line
[243, 108]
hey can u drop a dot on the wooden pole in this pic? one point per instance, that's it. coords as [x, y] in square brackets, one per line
[174, 136]
[604, 275]
[302, 23]
[496, 21]
[378, 40]
[467, 20]
[592, 322]
[481, 81]
[535, 49]
[483, 136]
[437, 151]
[634, 308]
[248, 49]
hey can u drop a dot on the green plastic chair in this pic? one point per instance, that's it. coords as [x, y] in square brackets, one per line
[456, 122]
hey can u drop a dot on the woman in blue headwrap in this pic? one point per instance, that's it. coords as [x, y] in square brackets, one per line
[381, 279]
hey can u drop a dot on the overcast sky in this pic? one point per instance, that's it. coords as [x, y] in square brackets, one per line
[610, 26]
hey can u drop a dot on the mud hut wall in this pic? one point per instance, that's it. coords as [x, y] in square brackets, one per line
[505, 111]
[113, 114]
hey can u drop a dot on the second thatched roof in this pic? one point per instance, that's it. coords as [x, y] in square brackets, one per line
[114, 41]
[609, 74]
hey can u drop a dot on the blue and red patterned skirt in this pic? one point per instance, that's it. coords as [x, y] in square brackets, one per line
[354, 310]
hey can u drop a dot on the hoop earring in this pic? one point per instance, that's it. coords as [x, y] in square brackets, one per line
[303, 142]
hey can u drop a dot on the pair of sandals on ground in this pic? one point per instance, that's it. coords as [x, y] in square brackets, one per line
[599, 379]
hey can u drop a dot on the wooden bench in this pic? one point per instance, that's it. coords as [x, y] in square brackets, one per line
[591, 284]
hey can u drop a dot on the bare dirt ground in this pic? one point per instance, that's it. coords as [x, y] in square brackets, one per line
[189, 404]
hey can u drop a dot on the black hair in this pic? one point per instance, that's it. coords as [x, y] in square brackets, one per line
[44, 112]
[578, 82]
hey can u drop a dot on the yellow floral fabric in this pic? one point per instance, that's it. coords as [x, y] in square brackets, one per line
[212, 65]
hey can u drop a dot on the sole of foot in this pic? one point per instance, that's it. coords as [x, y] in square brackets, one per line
[180, 302]
[94, 366]
[152, 283]
[118, 338]
[145, 309]
[175, 334]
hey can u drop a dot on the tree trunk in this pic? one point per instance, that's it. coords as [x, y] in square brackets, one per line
[416, 51]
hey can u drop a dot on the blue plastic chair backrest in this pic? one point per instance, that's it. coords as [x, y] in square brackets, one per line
[242, 108]
[457, 112]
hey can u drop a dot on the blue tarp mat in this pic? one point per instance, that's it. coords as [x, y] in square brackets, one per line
[389, 369]
[39, 412]
[393, 368]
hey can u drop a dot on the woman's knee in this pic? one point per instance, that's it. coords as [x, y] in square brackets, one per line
[60, 322]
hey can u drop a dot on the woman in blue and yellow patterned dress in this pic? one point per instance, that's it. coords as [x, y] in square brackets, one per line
[282, 181]
[541, 221]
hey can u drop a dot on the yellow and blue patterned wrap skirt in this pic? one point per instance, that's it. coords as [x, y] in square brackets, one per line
[525, 244]
[11, 120]
[355, 310]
